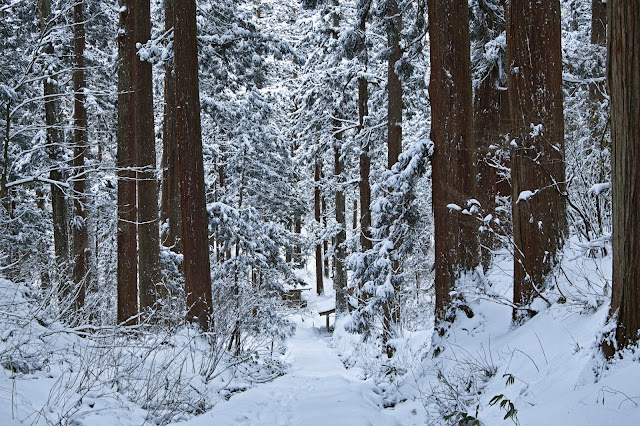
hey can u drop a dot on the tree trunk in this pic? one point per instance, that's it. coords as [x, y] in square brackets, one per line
[55, 141]
[598, 22]
[325, 243]
[339, 249]
[394, 86]
[537, 156]
[190, 166]
[365, 168]
[316, 210]
[80, 247]
[624, 85]
[340, 275]
[490, 124]
[452, 135]
[127, 214]
[148, 231]
[354, 217]
[170, 194]
[364, 185]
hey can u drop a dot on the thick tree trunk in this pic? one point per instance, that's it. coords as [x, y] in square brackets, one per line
[170, 194]
[454, 146]
[80, 258]
[55, 141]
[148, 231]
[190, 166]
[537, 157]
[624, 85]
[127, 215]
[316, 211]
[490, 126]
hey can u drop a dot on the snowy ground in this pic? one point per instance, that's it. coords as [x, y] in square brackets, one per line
[549, 369]
[317, 390]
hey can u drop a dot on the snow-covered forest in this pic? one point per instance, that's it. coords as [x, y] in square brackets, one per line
[310, 212]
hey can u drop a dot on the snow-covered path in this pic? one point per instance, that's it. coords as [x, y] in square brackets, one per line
[317, 390]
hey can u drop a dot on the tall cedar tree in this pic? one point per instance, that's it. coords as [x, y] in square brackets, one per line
[55, 139]
[190, 165]
[624, 85]
[452, 135]
[491, 115]
[340, 273]
[316, 212]
[534, 56]
[364, 185]
[170, 195]
[80, 256]
[148, 232]
[394, 86]
[127, 215]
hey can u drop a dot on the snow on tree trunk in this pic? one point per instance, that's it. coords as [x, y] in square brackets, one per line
[190, 165]
[456, 247]
[340, 274]
[490, 117]
[534, 56]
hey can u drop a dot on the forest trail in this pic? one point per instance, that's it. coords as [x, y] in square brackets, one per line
[317, 390]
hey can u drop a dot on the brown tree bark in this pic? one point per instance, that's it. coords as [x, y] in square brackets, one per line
[365, 169]
[452, 135]
[364, 185]
[598, 108]
[170, 210]
[598, 22]
[55, 140]
[339, 273]
[316, 211]
[537, 156]
[80, 258]
[624, 85]
[394, 86]
[325, 243]
[127, 214]
[190, 165]
[151, 289]
[490, 126]
[339, 249]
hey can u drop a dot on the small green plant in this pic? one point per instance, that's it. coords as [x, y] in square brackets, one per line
[463, 419]
[511, 379]
[507, 405]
